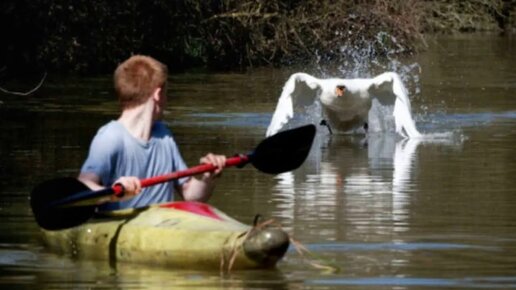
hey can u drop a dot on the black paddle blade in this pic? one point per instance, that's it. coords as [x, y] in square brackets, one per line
[52, 217]
[284, 151]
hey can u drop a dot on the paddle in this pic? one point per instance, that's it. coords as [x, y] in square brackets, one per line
[66, 202]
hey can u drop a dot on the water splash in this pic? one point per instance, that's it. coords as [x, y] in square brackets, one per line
[385, 53]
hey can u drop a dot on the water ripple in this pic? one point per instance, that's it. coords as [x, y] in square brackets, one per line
[394, 246]
[474, 282]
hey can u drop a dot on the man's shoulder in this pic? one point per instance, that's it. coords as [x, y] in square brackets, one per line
[160, 129]
[110, 127]
[111, 131]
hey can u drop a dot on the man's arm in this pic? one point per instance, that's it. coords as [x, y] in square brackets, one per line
[200, 189]
[91, 180]
[131, 185]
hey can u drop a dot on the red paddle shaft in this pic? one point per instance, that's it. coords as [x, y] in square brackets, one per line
[233, 161]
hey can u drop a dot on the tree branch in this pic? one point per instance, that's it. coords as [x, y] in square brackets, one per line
[25, 93]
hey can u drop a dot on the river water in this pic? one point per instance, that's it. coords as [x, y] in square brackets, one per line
[393, 214]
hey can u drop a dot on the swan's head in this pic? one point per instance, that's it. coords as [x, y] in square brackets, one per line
[332, 91]
[339, 90]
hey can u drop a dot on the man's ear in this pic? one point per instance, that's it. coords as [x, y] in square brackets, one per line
[156, 95]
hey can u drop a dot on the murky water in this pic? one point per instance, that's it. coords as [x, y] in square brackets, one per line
[438, 212]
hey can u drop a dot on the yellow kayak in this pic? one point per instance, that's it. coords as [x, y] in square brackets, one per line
[177, 234]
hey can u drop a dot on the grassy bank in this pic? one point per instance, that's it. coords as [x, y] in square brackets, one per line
[92, 36]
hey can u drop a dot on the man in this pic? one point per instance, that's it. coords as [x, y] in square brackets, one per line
[138, 144]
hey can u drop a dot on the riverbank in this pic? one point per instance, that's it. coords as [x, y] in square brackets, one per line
[91, 37]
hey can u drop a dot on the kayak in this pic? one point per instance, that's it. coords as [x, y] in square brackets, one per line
[178, 234]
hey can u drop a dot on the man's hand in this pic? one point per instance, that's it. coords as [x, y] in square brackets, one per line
[131, 186]
[218, 161]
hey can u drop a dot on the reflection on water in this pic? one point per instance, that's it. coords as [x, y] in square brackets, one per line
[39, 270]
[369, 176]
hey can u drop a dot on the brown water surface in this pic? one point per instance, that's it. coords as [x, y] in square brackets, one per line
[405, 214]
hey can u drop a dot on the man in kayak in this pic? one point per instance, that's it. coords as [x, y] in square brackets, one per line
[139, 145]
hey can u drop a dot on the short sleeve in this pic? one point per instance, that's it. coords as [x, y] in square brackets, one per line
[177, 160]
[179, 163]
[102, 157]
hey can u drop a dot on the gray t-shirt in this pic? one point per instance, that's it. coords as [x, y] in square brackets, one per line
[114, 152]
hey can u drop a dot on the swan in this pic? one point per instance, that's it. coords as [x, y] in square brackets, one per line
[347, 103]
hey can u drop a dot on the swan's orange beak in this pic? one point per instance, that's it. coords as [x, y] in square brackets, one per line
[339, 91]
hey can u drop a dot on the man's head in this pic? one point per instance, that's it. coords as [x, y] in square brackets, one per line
[138, 78]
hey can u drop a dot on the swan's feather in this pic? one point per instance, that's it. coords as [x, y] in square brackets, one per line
[299, 90]
[302, 90]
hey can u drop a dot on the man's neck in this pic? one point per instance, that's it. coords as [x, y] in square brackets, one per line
[138, 121]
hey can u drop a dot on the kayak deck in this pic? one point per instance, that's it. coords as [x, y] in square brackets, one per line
[177, 234]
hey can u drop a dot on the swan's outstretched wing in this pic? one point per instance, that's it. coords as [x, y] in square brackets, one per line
[388, 89]
[300, 90]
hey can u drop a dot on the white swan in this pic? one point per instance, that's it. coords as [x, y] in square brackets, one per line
[346, 103]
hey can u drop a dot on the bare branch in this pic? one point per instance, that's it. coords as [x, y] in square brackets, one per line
[243, 15]
[25, 93]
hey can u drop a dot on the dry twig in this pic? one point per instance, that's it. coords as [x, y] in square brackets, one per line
[25, 93]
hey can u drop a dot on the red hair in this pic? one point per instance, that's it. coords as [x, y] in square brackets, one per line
[136, 79]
